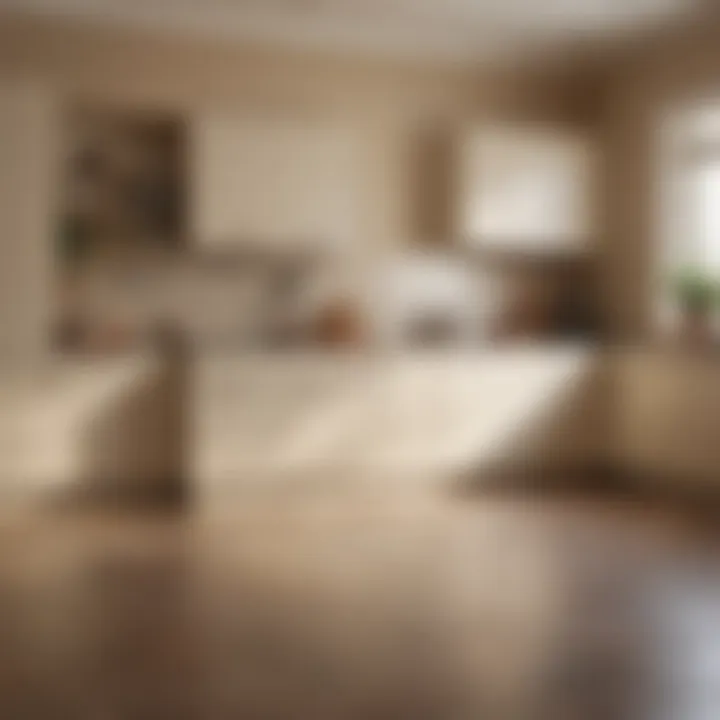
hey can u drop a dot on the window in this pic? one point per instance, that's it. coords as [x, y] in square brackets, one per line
[690, 195]
[704, 196]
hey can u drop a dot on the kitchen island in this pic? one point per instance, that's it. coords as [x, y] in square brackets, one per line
[307, 419]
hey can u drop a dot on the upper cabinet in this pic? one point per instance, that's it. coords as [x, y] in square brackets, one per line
[270, 181]
[526, 189]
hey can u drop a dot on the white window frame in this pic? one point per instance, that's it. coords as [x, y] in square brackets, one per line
[684, 144]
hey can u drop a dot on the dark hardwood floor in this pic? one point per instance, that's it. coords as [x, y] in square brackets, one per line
[363, 607]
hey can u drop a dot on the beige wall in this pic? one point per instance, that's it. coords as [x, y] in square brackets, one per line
[655, 77]
[27, 179]
[406, 114]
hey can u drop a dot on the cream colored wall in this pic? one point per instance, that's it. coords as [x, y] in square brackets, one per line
[27, 171]
[405, 115]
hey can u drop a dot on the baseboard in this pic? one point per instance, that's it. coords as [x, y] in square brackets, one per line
[600, 479]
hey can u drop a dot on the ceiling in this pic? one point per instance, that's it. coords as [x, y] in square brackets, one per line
[468, 30]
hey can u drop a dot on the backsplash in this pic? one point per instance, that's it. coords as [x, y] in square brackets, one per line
[204, 297]
[256, 298]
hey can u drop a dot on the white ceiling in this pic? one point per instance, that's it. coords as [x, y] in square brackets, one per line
[476, 30]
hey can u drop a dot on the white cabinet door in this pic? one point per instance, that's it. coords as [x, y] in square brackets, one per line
[270, 181]
[526, 189]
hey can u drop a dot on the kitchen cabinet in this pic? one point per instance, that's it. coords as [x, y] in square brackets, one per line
[668, 413]
[276, 182]
[526, 189]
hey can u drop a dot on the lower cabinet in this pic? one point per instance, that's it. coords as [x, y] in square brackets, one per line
[668, 417]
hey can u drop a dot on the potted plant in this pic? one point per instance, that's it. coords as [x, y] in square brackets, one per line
[696, 294]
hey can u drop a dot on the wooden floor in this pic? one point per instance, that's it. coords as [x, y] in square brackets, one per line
[349, 607]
